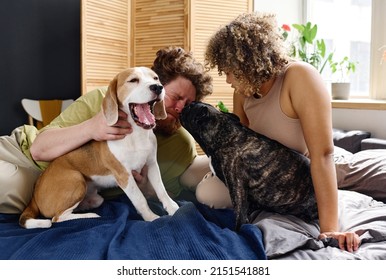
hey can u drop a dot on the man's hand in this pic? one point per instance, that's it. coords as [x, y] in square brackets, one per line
[101, 131]
[144, 184]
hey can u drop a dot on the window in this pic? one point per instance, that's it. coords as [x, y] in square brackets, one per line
[360, 82]
[354, 28]
[346, 26]
[350, 27]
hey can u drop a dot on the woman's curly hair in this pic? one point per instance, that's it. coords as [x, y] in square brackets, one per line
[172, 62]
[251, 47]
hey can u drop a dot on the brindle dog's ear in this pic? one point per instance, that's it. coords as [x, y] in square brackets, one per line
[110, 103]
[159, 110]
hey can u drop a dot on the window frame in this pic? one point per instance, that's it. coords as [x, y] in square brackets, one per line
[378, 40]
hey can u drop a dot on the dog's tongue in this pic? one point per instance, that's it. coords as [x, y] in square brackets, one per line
[144, 114]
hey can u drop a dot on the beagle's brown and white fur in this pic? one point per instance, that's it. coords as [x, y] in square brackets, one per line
[71, 182]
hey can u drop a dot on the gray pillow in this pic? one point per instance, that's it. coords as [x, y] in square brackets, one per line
[349, 140]
[364, 172]
[373, 143]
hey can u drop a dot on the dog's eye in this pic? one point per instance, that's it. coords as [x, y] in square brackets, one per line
[156, 79]
[134, 80]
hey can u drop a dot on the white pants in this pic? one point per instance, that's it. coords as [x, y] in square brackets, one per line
[210, 190]
[17, 175]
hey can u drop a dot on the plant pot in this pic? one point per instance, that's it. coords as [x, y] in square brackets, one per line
[340, 90]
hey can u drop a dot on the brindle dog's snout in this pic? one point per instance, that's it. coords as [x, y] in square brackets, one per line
[157, 89]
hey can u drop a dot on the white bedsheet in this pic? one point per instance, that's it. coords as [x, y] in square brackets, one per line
[287, 237]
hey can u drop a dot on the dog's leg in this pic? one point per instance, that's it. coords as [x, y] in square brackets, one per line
[28, 218]
[92, 199]
[139, 201]
[69, 215]
[72, 190]
[155, 179]
[236, 183]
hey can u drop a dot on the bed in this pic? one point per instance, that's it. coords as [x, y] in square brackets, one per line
[193, 232]
[196, 232]
[289, 238]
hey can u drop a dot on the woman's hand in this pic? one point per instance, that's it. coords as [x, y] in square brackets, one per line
[348, 241]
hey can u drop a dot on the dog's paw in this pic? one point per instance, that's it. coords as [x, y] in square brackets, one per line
[149, 217]
[37, 223]
[172, 208]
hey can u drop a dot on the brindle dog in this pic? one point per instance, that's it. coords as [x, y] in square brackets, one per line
[260, 173]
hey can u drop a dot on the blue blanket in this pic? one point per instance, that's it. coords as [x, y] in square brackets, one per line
[193, 232]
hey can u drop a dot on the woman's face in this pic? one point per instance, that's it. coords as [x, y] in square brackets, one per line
[230, 79]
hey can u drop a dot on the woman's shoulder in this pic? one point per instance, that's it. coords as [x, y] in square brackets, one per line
[300, 70]
[298, 66]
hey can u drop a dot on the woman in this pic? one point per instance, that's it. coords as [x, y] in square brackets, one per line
[283, 99]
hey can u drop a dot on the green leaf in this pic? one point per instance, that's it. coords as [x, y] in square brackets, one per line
[321, 47]
[308, 48]
[299, 27]
[313, 32]
[222, 107]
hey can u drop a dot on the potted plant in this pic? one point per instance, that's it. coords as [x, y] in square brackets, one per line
[306, 47]
[340, 87]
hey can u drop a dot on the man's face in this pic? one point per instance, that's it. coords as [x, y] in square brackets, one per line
[179, 93]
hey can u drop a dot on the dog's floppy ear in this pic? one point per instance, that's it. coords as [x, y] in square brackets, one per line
[159, 110]
[110, 103]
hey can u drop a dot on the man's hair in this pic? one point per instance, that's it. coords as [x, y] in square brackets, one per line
[251, 48]
[172, 62]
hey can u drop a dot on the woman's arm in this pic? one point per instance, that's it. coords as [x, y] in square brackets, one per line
[312, 105]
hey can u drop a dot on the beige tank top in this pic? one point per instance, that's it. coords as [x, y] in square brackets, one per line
[266, 117]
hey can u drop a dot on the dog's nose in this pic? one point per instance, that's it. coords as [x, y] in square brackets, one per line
[157, 89]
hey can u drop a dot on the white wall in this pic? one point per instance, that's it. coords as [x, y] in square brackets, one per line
[373, 121]
[287, 11]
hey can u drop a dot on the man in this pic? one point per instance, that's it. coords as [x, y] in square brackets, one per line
[27, 152]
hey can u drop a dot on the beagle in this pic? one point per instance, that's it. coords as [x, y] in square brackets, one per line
[70, 184]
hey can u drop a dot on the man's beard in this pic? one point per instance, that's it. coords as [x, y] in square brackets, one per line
[167, 126]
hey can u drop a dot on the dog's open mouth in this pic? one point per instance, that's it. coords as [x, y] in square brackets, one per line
[142, 114]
